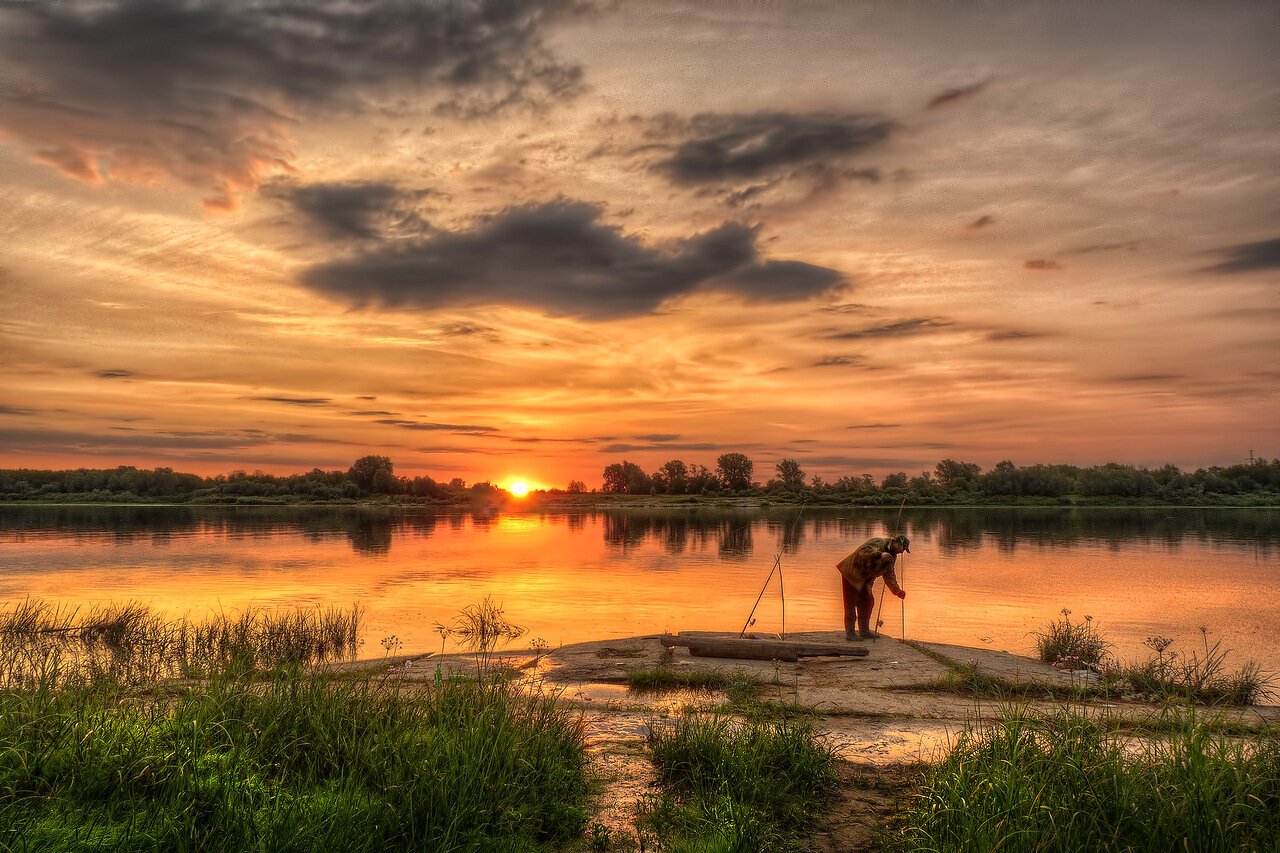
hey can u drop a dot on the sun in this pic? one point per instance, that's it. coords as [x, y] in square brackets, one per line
[519, 488]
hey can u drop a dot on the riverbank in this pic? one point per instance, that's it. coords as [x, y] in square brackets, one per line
[887, 717]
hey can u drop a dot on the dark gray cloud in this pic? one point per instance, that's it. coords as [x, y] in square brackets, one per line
[1042, 265]
[640, 448]
[713, 148]
[861, 463]
[113, 374]
[1146, 377]
[658, 436]
[898, 328]
[354, 210]
[1092, 248]
[427, 426]
[947, 97]
[14, 410]
[296, 401]
[1249, 257]
[205, 91]
[873, 426]
[113, 439]
[998, 335]
[839, 361]
[983, 221]
[559, 258]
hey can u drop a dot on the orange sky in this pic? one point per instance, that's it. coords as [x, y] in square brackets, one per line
[490, 243]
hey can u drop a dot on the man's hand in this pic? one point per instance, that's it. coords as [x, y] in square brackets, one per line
[902, 594]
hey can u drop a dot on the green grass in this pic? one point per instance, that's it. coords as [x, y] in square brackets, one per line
[263, 753]
[1062, 782]
[736, 785]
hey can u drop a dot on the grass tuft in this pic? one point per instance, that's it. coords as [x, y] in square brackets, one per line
[1073, 645]
[1201, 677]
[741, 785]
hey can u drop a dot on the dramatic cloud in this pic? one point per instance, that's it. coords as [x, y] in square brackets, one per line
[718, 148]
[356, 210]
[560, 258]
[206, 92]
[1249, 257]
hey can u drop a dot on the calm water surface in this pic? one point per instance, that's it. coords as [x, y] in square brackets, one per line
[981, 577]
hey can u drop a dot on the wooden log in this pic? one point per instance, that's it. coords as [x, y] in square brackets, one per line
[727, 646]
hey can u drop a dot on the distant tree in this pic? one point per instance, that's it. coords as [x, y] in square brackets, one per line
[701, 480]
[365, 472]
[894, 481]
[576, 487]
[790, 475]
[628, 478]
[955, 475]
[458, 483]
[672, 477]
[734, 470]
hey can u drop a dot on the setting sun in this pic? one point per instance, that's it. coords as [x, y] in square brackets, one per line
[519, 488]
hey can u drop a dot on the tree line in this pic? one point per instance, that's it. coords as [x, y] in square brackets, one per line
[954, 481]
[368, 476]
[950, 481]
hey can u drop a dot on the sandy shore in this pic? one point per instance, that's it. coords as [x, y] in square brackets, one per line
[884, 713]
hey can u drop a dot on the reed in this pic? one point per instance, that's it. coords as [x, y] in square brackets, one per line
[49, 644]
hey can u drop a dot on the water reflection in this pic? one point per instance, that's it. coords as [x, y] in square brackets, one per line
[734, 534]
[980, 577]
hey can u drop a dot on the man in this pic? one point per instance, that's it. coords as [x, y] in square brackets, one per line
[858, 573]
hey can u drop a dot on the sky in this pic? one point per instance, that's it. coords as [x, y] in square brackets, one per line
[497, 240]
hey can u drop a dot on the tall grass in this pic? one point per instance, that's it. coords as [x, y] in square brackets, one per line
[737, 785]
[45, 643]
[265, 755]
[297, 763]
[1063, 782]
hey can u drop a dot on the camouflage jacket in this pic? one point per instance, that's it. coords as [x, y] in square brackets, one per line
[872, 560]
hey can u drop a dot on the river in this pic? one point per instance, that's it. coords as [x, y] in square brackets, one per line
[981, 577]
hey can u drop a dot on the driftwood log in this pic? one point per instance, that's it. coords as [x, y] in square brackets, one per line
[708, 645]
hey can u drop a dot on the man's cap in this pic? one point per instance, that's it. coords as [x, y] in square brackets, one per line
[904, 542]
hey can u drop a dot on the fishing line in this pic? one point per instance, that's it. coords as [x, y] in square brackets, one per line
[777, 567]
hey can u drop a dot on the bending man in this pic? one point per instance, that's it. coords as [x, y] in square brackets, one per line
[858, 573]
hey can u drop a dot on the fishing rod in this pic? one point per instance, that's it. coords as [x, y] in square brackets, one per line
[782, 588]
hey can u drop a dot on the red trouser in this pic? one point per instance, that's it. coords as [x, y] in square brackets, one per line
[858, 604]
